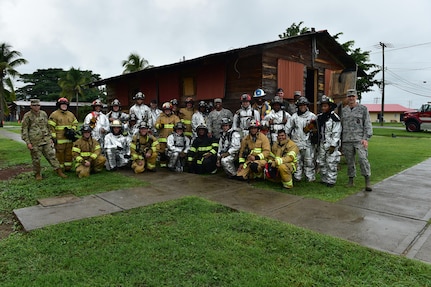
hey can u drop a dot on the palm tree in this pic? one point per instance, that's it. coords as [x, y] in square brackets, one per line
[135, 63]
[72, 84]
[9, 59]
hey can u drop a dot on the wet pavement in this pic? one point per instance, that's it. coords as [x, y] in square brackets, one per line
[393, 218]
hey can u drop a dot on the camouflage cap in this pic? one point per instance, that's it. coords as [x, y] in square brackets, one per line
[35, 102]
[351, 93]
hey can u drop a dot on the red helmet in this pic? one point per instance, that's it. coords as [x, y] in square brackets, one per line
[245, 98]
[62, 101]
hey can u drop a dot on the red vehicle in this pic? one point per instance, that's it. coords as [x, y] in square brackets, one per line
[418, 120]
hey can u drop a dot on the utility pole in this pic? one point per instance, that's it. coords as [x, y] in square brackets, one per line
[383, 83]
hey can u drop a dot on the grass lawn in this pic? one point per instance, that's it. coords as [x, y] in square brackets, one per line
[193, 242]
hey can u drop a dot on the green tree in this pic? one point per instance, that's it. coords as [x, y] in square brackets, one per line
[135, 63]
[363, 84]
[74, 86]
[9, 60]
[42, 84]
[294, 30]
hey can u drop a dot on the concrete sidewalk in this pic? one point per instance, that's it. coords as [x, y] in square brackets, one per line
[393, 218]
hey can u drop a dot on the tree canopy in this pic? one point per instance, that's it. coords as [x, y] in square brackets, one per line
[363, 84]
[9, 60]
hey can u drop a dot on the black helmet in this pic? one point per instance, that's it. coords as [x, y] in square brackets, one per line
[302, 101]
[86, 128]
[329, 101]
[226, 121]
[179, 125]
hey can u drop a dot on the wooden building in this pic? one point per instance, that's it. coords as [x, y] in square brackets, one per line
[313, 63]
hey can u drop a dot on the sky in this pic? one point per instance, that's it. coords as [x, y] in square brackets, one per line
[98, 35]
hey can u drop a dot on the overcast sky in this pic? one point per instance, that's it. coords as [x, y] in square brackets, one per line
[98, 35]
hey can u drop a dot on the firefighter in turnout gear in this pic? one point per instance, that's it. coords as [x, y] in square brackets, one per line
[302, 129]
[276, 118]
[116, 147]
[35, 133]
[98, 122]
[260, 105]
[228, 148]
[186, 115]
[202, 156]
[283, 158]
[253, 154]
[63, 125]
[178, 145]
[116, 114]
[140, 109]
[199, 118]
[144, 150]
[165, 126]
[329, 132]
[244, 115]
[87, 154]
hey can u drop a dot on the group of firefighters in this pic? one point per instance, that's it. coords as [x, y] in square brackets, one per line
[279, 140]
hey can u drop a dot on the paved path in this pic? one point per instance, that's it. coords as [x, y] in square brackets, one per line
[393, 218]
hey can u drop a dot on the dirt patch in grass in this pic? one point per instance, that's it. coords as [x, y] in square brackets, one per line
[11, 172]
[8, 221]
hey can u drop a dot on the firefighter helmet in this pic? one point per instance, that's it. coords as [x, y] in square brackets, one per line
[167, 106]
[97, 102]
[277, 100]
[189, 100]
[143, 125]
[62, 101]
[253, 124]
[329, 101]
[302, 101]
[201, 126]
[139, 96]
[226, 121]
[86, 128]
[179, 125]
[174, 102]
[116, 124]
[115, 102]
[259, 93]
[132, 118]
[245, 98]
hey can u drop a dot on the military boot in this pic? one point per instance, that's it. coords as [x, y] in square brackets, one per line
[368, 184]
[37, 172]
[60, 173]
[38, 176]
[350, 183]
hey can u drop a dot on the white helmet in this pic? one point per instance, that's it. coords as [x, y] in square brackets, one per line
[259, 93]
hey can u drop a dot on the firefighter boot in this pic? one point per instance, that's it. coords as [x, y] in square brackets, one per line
[368, 184]
[350, 183]
[60, 173]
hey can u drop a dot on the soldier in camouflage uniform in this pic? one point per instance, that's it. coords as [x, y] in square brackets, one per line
[36, 134]
[357, 130]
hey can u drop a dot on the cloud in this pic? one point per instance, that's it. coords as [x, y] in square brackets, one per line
[97, 35]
